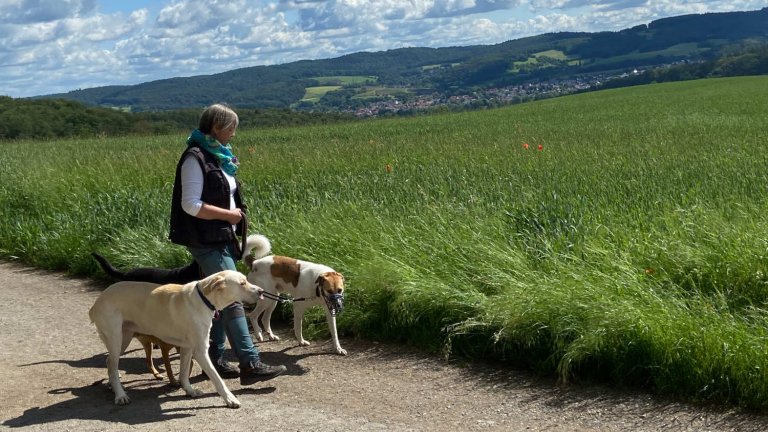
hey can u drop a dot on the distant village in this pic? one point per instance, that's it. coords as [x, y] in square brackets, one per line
[495, 96]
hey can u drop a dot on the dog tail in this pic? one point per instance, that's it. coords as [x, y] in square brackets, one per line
[259, 245]
[108, 268]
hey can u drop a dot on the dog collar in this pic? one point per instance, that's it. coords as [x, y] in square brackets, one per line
[205, 300]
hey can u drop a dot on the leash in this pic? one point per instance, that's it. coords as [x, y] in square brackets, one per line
[334, 302]
[240, 248]
[281, 298]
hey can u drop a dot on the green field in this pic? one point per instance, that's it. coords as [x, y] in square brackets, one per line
[333, 83]
[540, 58]
[631, 249]
[675, 50]
[343, 80]
[377, 92]
[313, 94]
[555, 54]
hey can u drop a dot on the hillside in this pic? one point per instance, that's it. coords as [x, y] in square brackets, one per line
[49, 118]
[405, 72]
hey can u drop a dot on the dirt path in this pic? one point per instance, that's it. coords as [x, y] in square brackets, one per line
[52, 378]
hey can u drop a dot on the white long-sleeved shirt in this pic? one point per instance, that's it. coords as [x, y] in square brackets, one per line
[192, 187]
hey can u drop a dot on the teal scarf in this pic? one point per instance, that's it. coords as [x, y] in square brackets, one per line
[223, 152]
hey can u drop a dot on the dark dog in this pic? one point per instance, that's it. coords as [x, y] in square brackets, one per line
[179, 275]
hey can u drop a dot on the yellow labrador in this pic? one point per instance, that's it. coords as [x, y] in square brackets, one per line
[180, 315]
[310, 284]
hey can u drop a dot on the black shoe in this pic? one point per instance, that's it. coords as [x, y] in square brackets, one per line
[258, 371]
[225, 368]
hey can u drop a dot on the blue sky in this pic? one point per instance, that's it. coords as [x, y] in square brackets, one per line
[54, 46]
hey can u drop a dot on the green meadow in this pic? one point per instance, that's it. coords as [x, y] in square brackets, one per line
[313, 94]
[377, 92]
[543, 56]
[342, 80]
[632, 248]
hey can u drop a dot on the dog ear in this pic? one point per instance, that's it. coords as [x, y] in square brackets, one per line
[219, 283]
[249, 261]
[320, 279]
[212, 283]
[332, 275]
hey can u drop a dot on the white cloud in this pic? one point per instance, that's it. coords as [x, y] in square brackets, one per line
[366, 14]
[37, 11]
[49, 46]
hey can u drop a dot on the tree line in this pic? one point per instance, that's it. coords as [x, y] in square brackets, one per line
[751, 61]
[60, 118]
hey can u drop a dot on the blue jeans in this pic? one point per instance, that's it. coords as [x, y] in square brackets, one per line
[231, 321]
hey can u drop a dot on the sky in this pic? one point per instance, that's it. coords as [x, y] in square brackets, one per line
[56, 46]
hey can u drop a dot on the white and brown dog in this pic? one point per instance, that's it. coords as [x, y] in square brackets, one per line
[309, 284]
[180, 315]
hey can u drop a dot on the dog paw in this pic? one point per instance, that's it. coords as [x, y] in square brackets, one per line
[259, 337]
[194, 393]
[232, 402]
[341, 351]
[122, 400]
[303, 342]
[274, 337]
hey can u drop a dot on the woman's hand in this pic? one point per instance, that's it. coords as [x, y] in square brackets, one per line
[234, 216]
[209, 212]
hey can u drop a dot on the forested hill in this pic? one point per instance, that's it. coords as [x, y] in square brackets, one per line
[446, 70]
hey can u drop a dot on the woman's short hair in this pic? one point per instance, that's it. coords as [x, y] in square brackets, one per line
[220, 115]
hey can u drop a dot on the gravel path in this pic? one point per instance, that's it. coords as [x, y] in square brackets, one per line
[52, 377]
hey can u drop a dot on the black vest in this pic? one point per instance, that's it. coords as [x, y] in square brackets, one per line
[188, 230]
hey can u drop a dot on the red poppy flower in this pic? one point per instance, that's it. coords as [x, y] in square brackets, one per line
[525, 146]
[541, 147]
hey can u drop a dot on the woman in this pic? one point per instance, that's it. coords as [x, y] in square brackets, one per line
[206, 208]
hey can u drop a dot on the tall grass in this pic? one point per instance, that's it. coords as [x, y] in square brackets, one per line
[631, 248]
